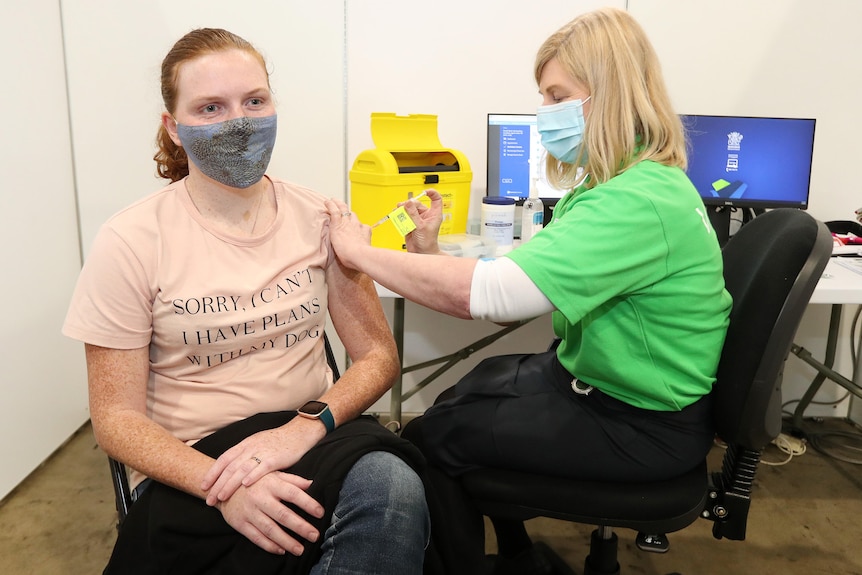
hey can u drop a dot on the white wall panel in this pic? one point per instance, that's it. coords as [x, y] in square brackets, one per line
[42, 379]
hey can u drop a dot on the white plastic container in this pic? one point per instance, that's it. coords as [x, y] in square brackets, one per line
[498, 222]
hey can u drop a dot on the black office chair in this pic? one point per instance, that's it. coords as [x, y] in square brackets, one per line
[772, 265]
[844, 227]
[120, 478]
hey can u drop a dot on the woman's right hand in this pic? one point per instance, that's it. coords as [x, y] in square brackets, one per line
[259, 512]
[423, 240]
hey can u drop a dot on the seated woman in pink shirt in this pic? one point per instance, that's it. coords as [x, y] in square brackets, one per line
[202, 308]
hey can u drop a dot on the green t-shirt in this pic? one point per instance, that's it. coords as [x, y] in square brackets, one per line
[634, 269]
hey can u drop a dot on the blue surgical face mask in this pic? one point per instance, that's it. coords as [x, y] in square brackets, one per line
[561, 127]
[235, 152]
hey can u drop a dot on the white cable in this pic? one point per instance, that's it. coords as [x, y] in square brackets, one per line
[792, 446]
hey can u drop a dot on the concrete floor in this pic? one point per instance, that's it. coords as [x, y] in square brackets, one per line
[804, 519]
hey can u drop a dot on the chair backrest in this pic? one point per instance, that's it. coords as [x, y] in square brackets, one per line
[330, 358]
[771, 267]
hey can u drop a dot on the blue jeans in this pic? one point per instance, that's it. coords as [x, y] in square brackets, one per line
[380, 525]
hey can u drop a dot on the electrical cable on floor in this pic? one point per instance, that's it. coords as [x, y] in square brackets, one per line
[792, 446]
[824, 444]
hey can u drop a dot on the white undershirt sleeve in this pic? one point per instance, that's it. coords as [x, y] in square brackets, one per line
[502, 292]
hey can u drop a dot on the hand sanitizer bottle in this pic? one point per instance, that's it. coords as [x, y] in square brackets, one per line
[532, 214]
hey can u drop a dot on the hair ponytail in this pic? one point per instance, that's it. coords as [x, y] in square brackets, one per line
[172, 163]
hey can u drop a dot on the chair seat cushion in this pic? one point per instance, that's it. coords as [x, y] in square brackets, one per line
[652, 507]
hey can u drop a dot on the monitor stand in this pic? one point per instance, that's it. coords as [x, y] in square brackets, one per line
[719, 217]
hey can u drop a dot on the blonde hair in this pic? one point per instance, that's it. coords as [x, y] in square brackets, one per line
[171, 160]
[631, 118]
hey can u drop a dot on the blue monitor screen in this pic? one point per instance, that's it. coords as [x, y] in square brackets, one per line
[750, 162]
[515, 157]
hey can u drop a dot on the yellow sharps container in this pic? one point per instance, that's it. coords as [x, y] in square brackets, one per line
[406, 160]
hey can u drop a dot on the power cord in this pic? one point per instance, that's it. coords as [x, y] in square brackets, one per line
[839, 445]
[788, 444]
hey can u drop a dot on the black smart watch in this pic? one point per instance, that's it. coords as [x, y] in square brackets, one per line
[318, 410]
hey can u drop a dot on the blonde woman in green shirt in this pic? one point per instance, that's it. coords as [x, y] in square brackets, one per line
[629, 268]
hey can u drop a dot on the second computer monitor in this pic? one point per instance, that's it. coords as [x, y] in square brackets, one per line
[750, 162]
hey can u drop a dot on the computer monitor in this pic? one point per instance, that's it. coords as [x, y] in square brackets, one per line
[748, 162]
[733, 161]
[515, 157]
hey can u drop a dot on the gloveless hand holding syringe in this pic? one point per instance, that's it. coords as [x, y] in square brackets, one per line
[400, 217]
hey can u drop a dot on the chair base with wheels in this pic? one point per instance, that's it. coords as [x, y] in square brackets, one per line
[652, 509]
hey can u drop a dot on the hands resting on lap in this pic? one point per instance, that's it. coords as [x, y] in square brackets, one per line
[249, 489]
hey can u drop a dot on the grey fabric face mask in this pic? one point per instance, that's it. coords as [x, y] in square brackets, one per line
[235, 152]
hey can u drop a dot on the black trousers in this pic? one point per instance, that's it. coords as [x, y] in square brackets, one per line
[520, 412]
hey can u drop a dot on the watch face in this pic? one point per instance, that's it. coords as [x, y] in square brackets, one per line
[313, 408]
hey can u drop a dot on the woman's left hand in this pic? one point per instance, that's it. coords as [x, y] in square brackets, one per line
[427, 219]
[346, 233]
[258, 455]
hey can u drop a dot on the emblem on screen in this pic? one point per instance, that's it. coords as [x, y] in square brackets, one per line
[734, 139]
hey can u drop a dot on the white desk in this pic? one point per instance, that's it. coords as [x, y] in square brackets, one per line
[837, 286]
[398, 396]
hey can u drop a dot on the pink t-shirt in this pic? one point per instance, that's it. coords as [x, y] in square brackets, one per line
[234, 325]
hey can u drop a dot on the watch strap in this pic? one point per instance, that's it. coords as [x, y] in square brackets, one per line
[313, 410]
[327, 419]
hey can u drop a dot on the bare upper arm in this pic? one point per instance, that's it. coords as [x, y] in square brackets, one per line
[117, 380]
[356, 313]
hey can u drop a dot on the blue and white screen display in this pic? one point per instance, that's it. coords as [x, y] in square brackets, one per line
[515, 157]
[750, 162]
